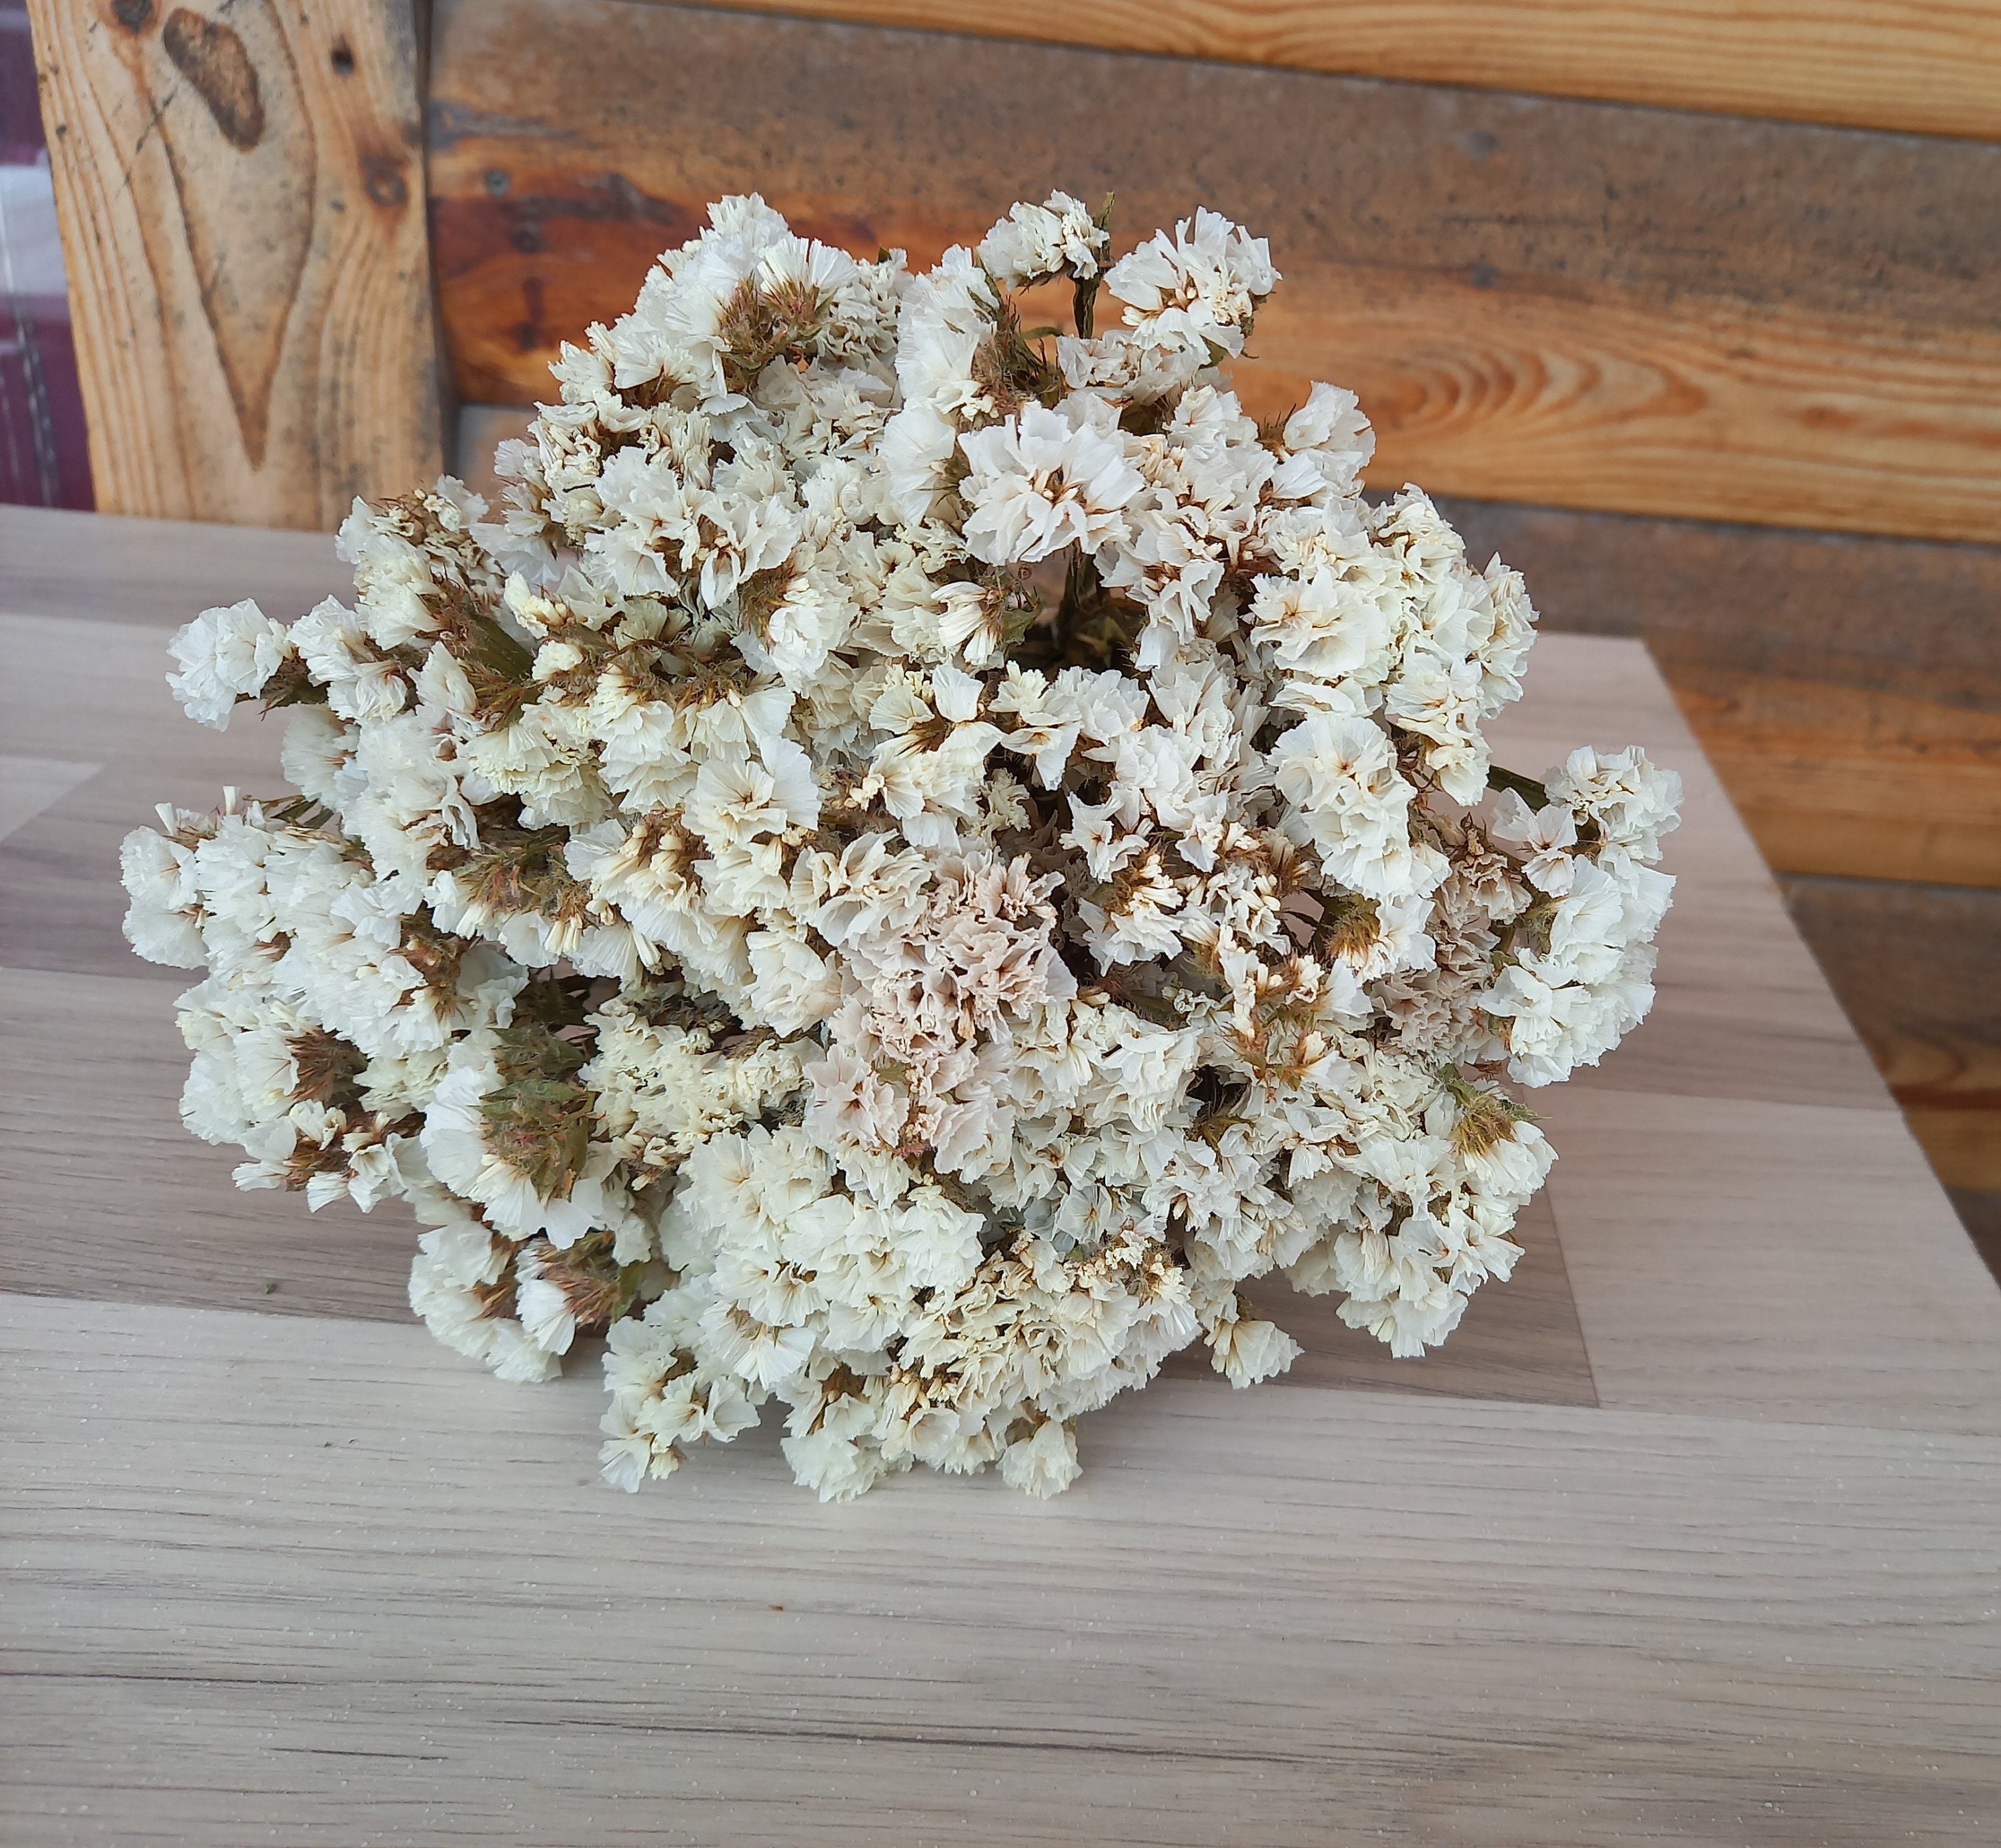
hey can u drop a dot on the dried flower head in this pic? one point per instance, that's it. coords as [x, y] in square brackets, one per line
[910, 859]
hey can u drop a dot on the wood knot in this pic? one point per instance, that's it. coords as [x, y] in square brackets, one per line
[382, 179]
[135, 16]
[211, 57]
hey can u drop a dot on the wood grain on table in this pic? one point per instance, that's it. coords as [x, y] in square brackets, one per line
[1846, 687]
[1689, 1535]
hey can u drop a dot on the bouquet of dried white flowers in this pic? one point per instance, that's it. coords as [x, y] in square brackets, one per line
[912, 858]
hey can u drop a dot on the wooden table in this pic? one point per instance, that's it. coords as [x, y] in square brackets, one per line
[1690, 1534]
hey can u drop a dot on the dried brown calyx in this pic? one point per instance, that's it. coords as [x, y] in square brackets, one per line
[435, 955]
[291, 685]
[540, 1127]
[650, 393]
[1272, 429]
[498, 669]
[599, 1289]
[1217, 1096]
[536, 1051]
[1531, 930]
[328, 1069]
[1349, 927]
[840, 1383]
[300, 812]
[496, 1300]
[1011, 368]
[555, 1001]
[1288, 1034]
[758, 597]
[523, 870]
[310, 1158]
[1487, 1118]
[759, 324]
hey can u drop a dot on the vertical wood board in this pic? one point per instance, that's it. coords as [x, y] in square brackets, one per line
[241, 190]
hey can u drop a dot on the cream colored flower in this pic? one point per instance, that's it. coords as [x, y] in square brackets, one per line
[904, 864]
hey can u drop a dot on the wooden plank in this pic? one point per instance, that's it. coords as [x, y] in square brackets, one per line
[319, 1580]
[1847, 689]
[1787, 1267]
[55, 563]
[94, 1062]
[28, 785]
[1769, 1261]
[1581, 305]
[241, 203]
[1871, 64]
[1919, 969]
[323, 1582]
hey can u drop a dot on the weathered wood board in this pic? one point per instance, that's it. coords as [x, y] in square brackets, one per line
[1846, 688]
[242, 196]
[1871, 64]
[321, 1583]
[1919, 969]
[1578, 304]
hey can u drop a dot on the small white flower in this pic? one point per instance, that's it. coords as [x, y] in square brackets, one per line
[1044, 1465]
[225, 655]
[1035, 242]
[1248, 1350]
[1036, 484]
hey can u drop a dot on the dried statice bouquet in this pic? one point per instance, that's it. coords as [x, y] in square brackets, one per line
[911, 859]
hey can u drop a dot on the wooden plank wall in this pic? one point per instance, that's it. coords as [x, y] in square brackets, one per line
[1925, 964]
[1730, 382]
[240, 192]
[1539, 299]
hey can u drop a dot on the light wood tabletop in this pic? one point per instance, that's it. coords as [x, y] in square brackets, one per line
[1691, 1533]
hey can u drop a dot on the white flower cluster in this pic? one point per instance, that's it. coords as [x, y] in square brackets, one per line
[906, 863]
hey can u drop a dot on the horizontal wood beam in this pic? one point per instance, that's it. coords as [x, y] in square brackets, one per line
[1571, 304]
[240, 194]
[1847, 689]
[1916, 969]
[1934, 68]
